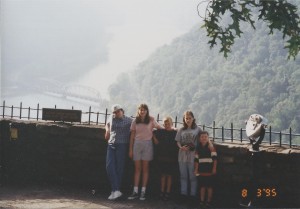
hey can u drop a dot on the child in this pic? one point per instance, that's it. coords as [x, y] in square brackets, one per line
[117, 135]
[205, 167]
[186, 138]
[166, 155]
[141, 148]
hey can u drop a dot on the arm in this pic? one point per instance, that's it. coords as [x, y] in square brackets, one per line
[155, 140]
[107, 131]
[131, 142]
[196, 164]
[196, 168]
[214, 170]
[156, 124]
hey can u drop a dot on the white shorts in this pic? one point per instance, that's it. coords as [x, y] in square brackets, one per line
[143, 150]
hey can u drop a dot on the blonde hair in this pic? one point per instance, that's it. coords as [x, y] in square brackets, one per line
[168, 118]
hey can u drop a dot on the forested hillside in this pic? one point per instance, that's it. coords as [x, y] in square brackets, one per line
[255, 78]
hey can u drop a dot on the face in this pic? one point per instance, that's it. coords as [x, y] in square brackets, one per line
[118, 114]
[142, 112]
[203, 138]
[188, 120]
[167, 125]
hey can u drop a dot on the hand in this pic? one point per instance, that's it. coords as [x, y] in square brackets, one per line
[130, 154]
[185, 148]
[196, 173]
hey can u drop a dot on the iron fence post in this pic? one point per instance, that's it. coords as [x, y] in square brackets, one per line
[231, 132]
[270, 136]
[28, 113]
[214, 133]
[105, 117]
[12, 112]
[222, 133]
[241, 135]
[37, 111]
[90, 110]
[176, 122]
[3, 109]
[290, 137]
[97, 118]
[20, 110]
[280, 139]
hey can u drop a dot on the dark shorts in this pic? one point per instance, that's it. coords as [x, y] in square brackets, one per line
[168, 168]
[207, 181]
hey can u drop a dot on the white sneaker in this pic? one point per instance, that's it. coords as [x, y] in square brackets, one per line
[143, 196]
[111, 196]
[117, 194]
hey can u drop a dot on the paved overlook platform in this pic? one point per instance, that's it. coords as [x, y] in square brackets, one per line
[58, 197]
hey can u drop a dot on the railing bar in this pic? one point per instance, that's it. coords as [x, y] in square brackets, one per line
[225, 134]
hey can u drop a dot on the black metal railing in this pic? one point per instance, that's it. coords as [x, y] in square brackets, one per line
[217, 133]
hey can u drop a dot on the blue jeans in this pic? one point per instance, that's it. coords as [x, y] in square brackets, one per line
[187, 175]
[115, 161]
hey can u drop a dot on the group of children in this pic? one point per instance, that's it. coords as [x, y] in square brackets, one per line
[188, 148]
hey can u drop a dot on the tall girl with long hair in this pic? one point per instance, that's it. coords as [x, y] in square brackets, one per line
[141, 148]
[186, 138]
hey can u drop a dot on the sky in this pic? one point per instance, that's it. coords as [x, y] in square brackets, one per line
[89, 42]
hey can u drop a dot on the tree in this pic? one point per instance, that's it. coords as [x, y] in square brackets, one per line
[279, 14]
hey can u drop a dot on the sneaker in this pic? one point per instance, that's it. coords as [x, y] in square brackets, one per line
[133, 196]
[162, 195]
[111, 196]
[143, 196]
[117, 194]
[201, 204]
[208, 205]
[166, 197]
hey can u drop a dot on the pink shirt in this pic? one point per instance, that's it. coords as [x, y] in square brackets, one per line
[144, 131]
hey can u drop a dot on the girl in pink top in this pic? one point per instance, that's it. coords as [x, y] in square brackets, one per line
[141, 148]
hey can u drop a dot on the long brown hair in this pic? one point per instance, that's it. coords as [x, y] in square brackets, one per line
[138, 118]
[188, 112]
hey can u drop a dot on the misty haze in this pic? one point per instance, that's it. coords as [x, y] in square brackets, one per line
[76, 53]
[50, 47]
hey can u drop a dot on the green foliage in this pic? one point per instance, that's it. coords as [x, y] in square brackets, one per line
[255, 78]
[278, 14]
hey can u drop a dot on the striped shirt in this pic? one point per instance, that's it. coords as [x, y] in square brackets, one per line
[205, 156]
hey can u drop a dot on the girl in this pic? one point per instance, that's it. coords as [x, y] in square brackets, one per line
[141, 148]
[205, 167]
[186, 141]
[166, 154]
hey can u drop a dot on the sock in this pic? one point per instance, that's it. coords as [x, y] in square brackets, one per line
[144, 189]
[136, 189]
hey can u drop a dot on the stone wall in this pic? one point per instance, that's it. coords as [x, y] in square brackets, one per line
[65, 154]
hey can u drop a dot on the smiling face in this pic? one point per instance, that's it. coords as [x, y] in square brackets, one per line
[167, 125]
[118, 113]
[142, 112]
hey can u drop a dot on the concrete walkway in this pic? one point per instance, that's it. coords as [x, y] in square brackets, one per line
[54, 197]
